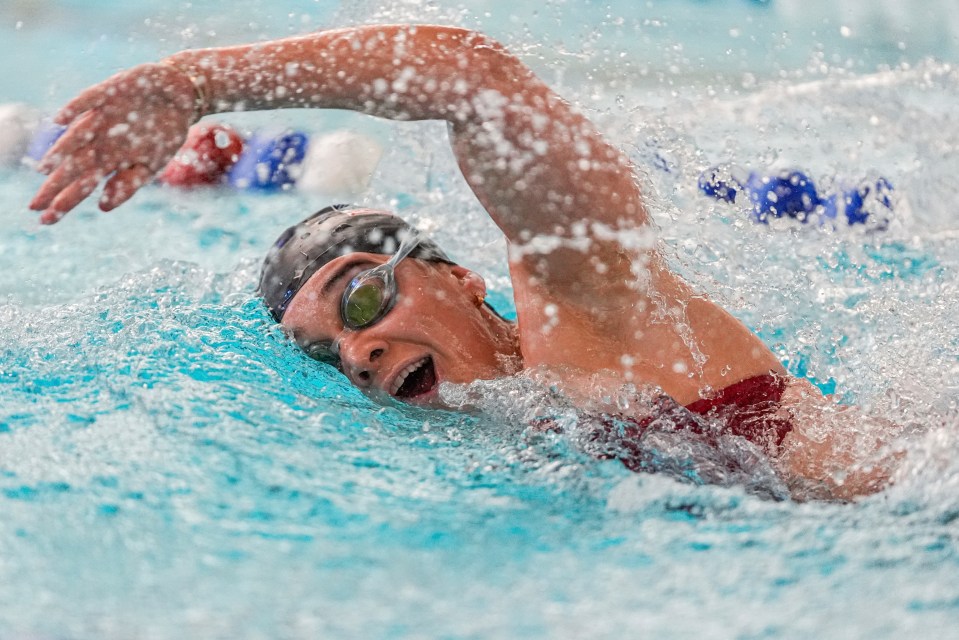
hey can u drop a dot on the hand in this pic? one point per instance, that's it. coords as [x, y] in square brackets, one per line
[124, 129]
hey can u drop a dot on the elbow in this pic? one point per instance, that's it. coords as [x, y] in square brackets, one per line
[472, 51]
[467, 38]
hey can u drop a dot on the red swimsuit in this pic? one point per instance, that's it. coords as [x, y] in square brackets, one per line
[749, 409]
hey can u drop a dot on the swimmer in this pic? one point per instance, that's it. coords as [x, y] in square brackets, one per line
[595, 300]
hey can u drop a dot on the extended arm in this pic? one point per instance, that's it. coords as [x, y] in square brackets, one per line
[538, 166]
[533, 161]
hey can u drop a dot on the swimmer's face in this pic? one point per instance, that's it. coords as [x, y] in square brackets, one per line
[438, 330]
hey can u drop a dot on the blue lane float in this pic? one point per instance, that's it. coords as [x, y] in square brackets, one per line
[45, 136]
[270, 161]
[793, 194]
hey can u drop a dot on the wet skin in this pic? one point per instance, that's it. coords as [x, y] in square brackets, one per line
[438, 316]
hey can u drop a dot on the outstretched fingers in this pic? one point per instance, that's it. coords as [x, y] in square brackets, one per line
[123, 185]
[81, 133]
[50, 188]
[72, 195]
[71, 169]
[64, 190]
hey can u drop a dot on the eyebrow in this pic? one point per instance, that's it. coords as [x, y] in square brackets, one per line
[338, 275]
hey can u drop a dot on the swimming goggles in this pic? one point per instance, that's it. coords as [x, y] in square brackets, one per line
[372, 293]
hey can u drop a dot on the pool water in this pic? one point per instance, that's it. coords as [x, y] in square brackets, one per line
[170, 466]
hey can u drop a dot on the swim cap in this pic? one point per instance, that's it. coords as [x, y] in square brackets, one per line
[328, 234]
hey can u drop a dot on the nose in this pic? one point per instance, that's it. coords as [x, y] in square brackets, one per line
[361, 357]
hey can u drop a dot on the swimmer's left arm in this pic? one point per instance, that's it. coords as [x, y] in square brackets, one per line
[835, 452]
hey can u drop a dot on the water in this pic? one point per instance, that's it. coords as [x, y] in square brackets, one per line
[171, 467]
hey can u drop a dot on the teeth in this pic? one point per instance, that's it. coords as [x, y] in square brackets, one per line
[401, 377]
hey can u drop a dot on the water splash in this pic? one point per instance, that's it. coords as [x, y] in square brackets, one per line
[170, 466]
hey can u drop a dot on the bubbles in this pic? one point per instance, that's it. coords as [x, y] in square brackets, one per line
[638, 428]
[170, 465]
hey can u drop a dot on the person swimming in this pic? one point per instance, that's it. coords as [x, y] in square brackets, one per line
[340, 230]
[594, 297]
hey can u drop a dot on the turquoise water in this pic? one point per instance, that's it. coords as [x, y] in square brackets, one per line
[171, 467]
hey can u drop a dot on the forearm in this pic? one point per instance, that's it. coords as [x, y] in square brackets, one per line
[540, 168]
[401, 72]
[534, 162]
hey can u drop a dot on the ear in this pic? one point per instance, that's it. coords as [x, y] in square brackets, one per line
[473, 283]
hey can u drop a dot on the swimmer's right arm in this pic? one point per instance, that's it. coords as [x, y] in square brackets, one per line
[123, 130]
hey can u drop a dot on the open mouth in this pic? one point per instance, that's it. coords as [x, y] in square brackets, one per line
[415, 380]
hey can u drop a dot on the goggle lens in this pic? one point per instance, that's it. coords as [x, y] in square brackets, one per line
[364, 303]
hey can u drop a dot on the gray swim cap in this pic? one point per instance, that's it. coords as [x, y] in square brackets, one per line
[329, 233]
